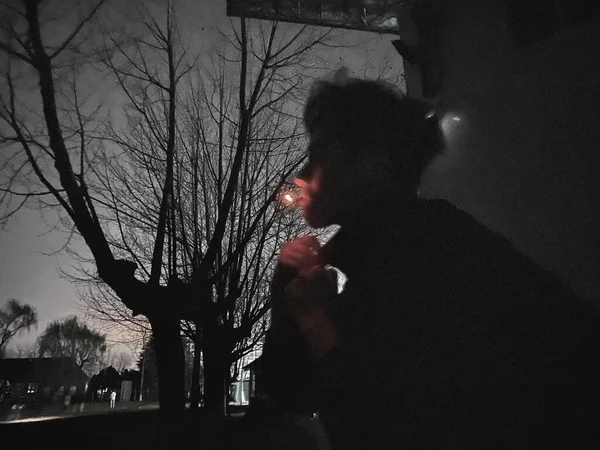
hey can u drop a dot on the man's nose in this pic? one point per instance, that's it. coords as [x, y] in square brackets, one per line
[300, 182]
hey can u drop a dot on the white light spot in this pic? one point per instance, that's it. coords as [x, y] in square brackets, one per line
[456, 119]
[288, 198]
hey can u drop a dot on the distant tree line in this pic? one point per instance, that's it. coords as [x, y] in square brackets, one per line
[15, 318]
[68, 337]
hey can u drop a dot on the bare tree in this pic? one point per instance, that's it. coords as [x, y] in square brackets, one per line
[51, 158]
[237, 140]
[176, 203]
[233, 318]
[119, 360]
[70, 338]
[101, 306]
[15, 318]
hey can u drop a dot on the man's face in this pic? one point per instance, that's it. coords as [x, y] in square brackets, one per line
[332, 185]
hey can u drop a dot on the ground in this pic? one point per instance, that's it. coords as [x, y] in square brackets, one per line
[144, 427]
[129, 425]
[57, 411]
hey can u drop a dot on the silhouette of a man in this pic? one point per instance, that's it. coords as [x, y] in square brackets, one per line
[444, 336]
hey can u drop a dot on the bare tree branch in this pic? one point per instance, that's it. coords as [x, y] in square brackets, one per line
[77, 29]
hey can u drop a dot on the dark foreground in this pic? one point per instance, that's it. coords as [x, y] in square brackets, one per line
[127, 430]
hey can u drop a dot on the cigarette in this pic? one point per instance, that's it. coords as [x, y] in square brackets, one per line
[288, 198]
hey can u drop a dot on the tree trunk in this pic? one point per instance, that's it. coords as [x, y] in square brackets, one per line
[195, 389]
[216, 374]
[171, 363]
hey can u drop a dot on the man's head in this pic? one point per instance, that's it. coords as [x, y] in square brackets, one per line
[366, 139]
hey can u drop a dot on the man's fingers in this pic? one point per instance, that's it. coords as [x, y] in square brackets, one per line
[297, 252]
[300, 260]
[301, 253]
[309, 244]
[310, 241]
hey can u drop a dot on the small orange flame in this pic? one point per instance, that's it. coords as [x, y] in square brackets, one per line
[288, 198]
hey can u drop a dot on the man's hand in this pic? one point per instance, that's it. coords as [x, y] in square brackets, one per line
[308, 292]
[305, 297]
[301, 254]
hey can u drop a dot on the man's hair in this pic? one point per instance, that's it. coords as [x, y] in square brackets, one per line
[366, 115]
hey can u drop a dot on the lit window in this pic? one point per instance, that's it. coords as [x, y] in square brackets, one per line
[31, 388]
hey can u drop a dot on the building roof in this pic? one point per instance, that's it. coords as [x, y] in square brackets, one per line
[379, 16]
[44, 371]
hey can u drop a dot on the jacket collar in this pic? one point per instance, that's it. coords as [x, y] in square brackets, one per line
[361, 234]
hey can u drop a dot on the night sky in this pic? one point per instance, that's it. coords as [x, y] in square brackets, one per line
[564, 242]
[27, 270]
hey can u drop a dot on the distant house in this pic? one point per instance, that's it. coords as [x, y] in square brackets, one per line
[255, 376]
[242, 388]
[103, 383]
[51, 378]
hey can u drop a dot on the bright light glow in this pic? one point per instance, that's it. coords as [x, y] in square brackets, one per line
[453, 122]
[430, 114]
[288, 198]
[38, 419]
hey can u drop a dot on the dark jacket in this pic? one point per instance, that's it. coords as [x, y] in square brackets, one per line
[450, 339]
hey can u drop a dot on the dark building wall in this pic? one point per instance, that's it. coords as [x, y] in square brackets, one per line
[524, 157]
[34, 377]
